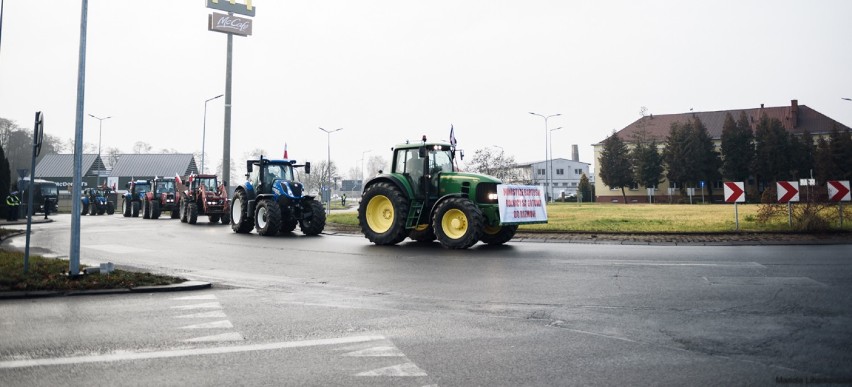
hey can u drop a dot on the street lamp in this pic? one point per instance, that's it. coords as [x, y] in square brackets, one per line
[362, 167]
[551, 162]
[545, 141]
[329, 132]
[100, 130]
[204, 130]
[848, 99]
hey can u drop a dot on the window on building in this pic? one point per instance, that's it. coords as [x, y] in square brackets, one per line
[634, 186]
[560, 171]
[539, 171]
[578, 171]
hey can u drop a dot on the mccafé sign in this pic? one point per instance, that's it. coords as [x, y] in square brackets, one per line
[229, 24]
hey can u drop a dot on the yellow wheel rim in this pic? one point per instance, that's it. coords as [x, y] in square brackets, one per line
[491, 230]
[454, 223]
[421, 227]
[380, 214]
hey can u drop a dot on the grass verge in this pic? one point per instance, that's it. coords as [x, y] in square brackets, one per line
[644, 218]
[48, 274]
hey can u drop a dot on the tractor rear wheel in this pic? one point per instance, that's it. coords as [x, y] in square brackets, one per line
[267, 218]
[241, 223]
[192, 212]
[225, 218]
[125, 208]
[498, 235]
[155, 210]
[110, 208]
[382, 214]
[175, 213]
[314, 224]
[458, 223]
[423, 233]
[134, 209]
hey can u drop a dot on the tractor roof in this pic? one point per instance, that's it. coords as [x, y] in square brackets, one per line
[415, 145]
[274, 161]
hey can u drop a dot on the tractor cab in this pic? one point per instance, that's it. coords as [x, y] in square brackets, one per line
[208, 183]
[422, 167]
[164, 186]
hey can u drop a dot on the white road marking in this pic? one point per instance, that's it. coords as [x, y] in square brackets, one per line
[215, 314]
[208, 305]
[116, 249]
[233, 336]
[128, 356]
[196, 298]
[596, 262]
[377, 352]
[224, 324]
[405, 369]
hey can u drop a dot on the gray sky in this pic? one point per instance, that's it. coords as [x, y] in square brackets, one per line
[392, 70]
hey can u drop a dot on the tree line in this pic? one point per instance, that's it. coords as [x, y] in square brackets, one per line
[767, 153]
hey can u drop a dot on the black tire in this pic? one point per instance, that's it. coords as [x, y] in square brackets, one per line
[382, 214]
[155, 210]
[175, 212]
[192, 213]
[241, 223]
[315, 223]
[423, 233]
[214, 218]
[134, 209]
[288, 224]
[93, 208]
[101, 209]
[110, 208]
[498, 235]
[125, 208]
[146, 210]
[85, 209]
[267, 218]
[225, 218]
[458, 223]
[182, 211]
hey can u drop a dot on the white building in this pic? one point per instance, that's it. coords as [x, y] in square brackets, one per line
[559, 176]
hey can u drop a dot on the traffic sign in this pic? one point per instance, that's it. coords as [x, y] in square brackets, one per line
[734, 192]
[838, 190]
[787, 191]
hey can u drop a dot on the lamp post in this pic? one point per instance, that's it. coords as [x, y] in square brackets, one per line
[328, 166]
[204, 130]
[100, 130]
[545, 141]
[551, 162]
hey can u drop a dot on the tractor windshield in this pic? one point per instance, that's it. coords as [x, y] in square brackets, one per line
[440, 160]
[142, 188]
[209, 183]
[166, 186]
[278, 172]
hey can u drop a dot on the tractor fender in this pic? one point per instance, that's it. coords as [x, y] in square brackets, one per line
[392, 179]
[251, 197]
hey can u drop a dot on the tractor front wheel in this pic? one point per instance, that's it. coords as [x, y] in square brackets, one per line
[214, 218]
[155, 210]
[146, 210]
[110, 208]
[225, 218]
[134, 209]
[182, 211]
[125, 208]
[314, 224]
[382, 214]
[85, 209]
[498, 235]
[192, 212]
[241, 223]
[267, 218]
[458, 223]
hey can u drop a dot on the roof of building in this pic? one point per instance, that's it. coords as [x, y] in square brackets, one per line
[527, 164]
[130, 165]
[62, 165]
[658, 126]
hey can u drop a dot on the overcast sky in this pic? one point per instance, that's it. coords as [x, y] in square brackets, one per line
[386, 71]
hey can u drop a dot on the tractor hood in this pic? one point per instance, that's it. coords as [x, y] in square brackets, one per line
[290, 189]
[468, 176]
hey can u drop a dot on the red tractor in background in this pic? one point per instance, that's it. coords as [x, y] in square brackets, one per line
[203, 195]
[162, 197]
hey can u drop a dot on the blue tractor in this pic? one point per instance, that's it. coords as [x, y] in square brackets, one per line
[133, 198]
[272, 202]
[96, 201]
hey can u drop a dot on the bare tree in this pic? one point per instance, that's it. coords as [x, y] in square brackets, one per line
[493, 162]
[375, 164]
[141, 147]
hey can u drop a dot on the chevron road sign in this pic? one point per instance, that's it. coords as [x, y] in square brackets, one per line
[838, 190]
[734, 192]
[787, 191]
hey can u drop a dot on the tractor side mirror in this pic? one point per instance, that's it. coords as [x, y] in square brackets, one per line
[422, 152]
[248, 167]
[307, 167]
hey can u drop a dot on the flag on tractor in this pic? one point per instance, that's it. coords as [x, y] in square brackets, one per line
[452, 136]
[285, 151]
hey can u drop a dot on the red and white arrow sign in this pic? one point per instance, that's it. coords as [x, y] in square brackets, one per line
[734, 192]
[838, 190]
[788, 191]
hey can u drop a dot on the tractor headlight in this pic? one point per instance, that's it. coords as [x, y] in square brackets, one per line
[492, 196]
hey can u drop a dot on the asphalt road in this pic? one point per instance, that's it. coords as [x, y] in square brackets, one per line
[336, 310]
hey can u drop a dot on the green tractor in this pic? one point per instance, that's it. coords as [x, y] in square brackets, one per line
[425, 198]
[272, 202]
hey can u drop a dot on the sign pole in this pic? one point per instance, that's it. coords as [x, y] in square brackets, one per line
[736, 216]
[790, 214]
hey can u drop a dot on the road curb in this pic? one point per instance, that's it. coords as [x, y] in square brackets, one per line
[183, 286]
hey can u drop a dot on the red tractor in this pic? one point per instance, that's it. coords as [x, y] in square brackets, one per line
[203, 195]
[162, 197]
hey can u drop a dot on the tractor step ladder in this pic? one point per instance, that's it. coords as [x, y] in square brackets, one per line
[414, 214]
